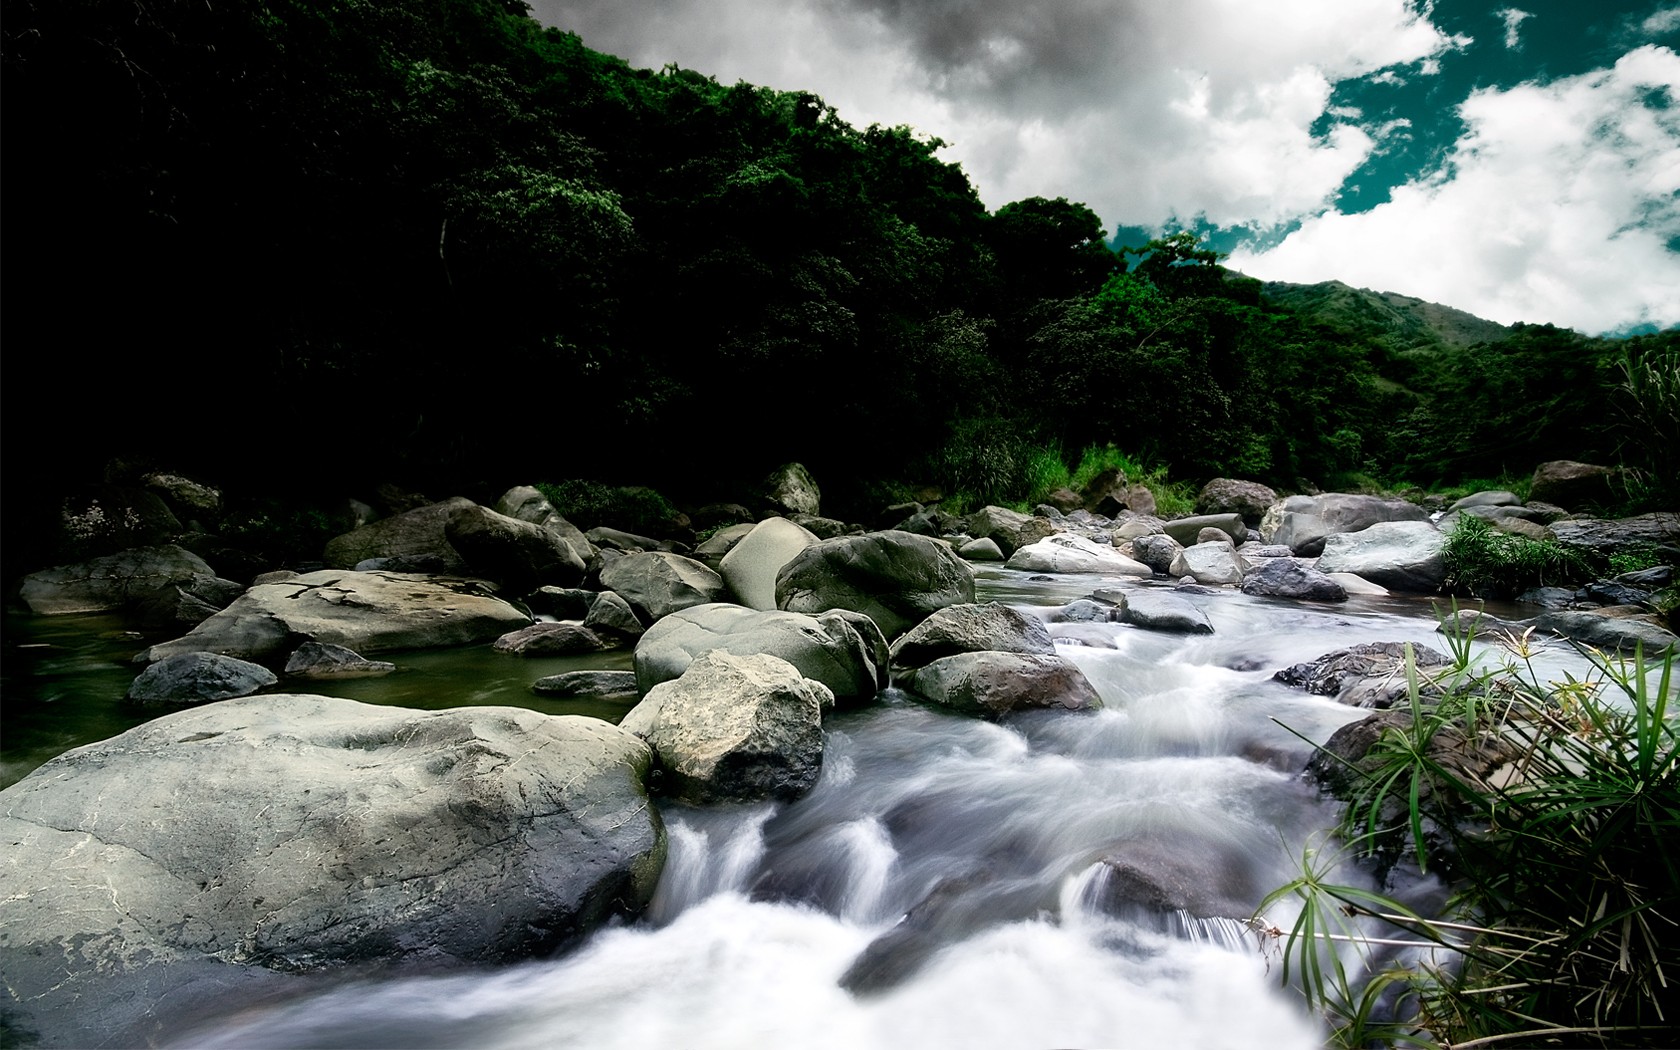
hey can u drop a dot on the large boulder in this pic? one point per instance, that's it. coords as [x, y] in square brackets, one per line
[553, 639]
[527, 504]
[790, 489]
[1248, 500]
[1400, 555]
[1607, 536]
[751, 565]
[735, 729]
[995, 683]
[1289, 578]
[110, 582]
[184, 604]
[1159, 611]
[658, 583]
[1187, 531]
[971, 628]
[520, 554]
[1158, 551]
[304, 832]
[1618, 627]
[1305, 521]
[1572, 485]
[415, 537]
[199, 678]
[1009, 529]
[1066, 552]
[895, 578]
[1486, 498]
[1215, 563]
[1371, 674]
[364, 611]
[843, 650]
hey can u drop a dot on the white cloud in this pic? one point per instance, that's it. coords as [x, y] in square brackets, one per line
[1556, 205]
[1662, 23]
[1513, 20]
[1142, 110]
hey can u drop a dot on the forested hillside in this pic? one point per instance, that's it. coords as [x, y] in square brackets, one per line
[434, 240]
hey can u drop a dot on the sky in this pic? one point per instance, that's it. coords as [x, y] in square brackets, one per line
[1518, 162]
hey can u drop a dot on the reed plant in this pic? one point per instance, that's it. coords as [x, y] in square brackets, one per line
[1563, 926]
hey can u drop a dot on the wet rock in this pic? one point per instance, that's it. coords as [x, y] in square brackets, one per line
[983, 549]
[1089, 610]
[1066, 552]
[589, 685]
[198, 678]
[897, 579]
[969, 628]
[1159, 611]
[843, 650]
[657, 584]
[553, 639]
[323, 661]
[1158, 551]
[110, 582]
[1288, 578]
[415, 537]
[184, 604]
[1616, 627]
[750, 567]
[993, 684]
[1372, 674]
[1189, 873]
[1400, 555]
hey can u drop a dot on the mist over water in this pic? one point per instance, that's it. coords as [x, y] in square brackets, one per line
[955, 882]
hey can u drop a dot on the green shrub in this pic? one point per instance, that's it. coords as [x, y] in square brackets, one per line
[1485, 563]
[1561, 930]
[588, 504]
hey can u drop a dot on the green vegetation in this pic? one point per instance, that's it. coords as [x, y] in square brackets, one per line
[1562, 927]
[587, 504]
[1483, 562]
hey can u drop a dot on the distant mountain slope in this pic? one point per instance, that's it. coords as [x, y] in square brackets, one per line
[1401, 321]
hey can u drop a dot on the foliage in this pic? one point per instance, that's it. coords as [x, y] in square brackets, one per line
[1562, 926]
[1486, 563]
[588, 504]
[1649, 399]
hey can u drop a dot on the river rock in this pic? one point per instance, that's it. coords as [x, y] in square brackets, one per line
[983, 549]
[895, 578]
[1067, 552]
[415, 536]
[790, 489]
[1343, 765]
[110, 582]
[1372, 674]
[970, 628]
[606, 538]
[562, 603]
[735, 729]
[1357, 584]
[110, 519]
[364, 611]
[305, 832]
[1089, 610]
[189, 498]
[1009, 529]
[589, 685]
[198, 678]
[994, 683]
[751, 566]
[843, 650]
[1606, 536]
[1486, 498]
[1305, 521]
[1157, 611]
[527, 504]
[657, 583]
[1400, 555]
[712, 549]
[1289, 578]
[611, 614]
[184, 604]
[1572, 485]
[520, 554]
[1215, 563]
[1248, 500]
[320, 661]
[1186, 872]
[1617, 627]
[552, 639]
[1187, 531]
[1156, 550]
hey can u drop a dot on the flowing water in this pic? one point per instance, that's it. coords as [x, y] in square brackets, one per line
[1055, 879]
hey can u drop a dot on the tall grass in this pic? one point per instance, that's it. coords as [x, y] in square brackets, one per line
[1564, 924]
[1486, 563]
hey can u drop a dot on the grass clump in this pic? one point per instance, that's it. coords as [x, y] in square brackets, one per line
[1483, 562]
[1564, 924]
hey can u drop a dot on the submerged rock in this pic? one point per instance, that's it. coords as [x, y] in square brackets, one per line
[199, 678]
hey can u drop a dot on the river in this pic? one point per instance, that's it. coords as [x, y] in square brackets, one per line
[785, 924]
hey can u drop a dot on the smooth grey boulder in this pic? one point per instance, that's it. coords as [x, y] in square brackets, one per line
[1617, 627]
[1288, 578]
[983, 549]
[110, 582]
[364, 611]
[1572, 485]
[1157, 611]
[714, 547]
[790, 489]
[607, 538]
[1157, 550]
[1215, 563]
[1187, 531]
[415, 536]
[199, 678]
[1400, 555]
[1486, 498]
[1306, 521]
[304, 832]
[610, 612]
[751, 566]
[1089, 610]
[895, 578]
[589, 685]
[1066, 552]
[1372, 674]
[734, 729]
[993, 684]
[1248, 500]
[658, 583]
[1009, 529]
[552, 639]
[520, 554]
[527, 504]
[970, 628]
[1357, 584]
[843, 650]
[320, 661]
